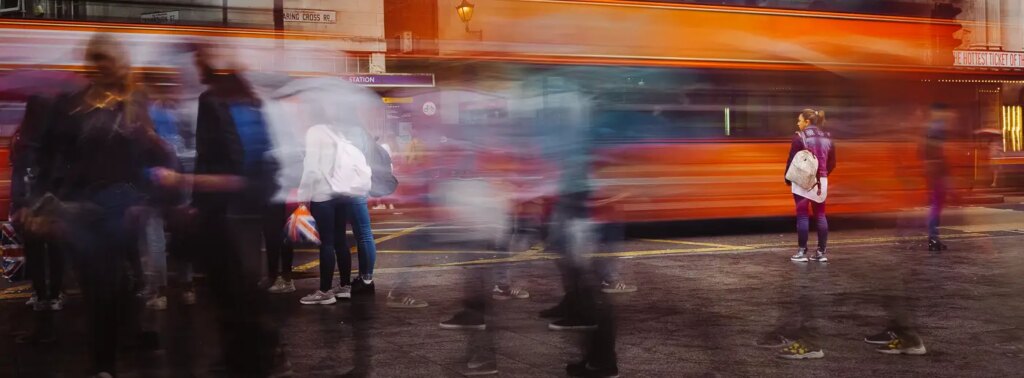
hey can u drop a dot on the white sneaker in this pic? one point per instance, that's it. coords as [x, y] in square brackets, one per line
[342, 291]
[157, 303]
[405, 302]
[617, 287]
[32, 300]
[509, 292]
[319, 297]
[282, 286]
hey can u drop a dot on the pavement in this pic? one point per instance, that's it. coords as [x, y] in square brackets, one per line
[708, 290]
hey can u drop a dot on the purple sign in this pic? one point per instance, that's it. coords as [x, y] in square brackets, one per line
[391, 80]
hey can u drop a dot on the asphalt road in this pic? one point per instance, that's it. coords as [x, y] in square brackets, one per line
[707, 291]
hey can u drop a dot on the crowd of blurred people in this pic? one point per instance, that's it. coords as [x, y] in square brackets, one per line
[126, 184]
[137, 192]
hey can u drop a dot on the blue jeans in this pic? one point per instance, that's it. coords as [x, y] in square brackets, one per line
[331, 218]
[803, 221]
[936, 201]
[359, 215]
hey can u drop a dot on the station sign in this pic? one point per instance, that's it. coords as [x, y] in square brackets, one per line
[170, 17]
[989, 59]
[391, 80]
[310, 16]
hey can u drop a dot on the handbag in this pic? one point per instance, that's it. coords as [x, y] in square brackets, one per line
[12, 253]
[301, 227]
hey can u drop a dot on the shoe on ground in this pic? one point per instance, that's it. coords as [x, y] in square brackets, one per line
[773, 340]
[820, 256]
[342, 292]
[904, 345]
[800, 256]
[798, 350]
[405, 301]
[502, 293]
[282, 286]
[935, 245]
[465, 319]
[103, 374]
[188, 297]
[585, 369]
[32, 300]
[57, 304]
[572, 324]
[157, 303]
[360, 287]
[319, 297]
[480, 368]
[48, 305]
[557, 312]
[617, 287]
[883, 338]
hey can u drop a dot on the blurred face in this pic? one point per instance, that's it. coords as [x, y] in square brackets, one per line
[801, 123]
[110, 69]
[204, 65]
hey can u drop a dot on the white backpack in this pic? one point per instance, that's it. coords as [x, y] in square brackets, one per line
[803, 170]
[350, 175]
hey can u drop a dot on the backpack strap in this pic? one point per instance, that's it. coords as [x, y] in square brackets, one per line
[817, 173]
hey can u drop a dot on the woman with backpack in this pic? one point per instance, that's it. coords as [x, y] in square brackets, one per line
[811, 189]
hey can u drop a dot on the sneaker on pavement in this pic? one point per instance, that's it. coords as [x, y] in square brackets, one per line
[319, 297]
[798, 350]
[935, 245]
[509, 292]
[32, 300]
[772, 340]
[617, 287]
[820, 256]
[585, 369]
[360, 287]
[800, 256]
[157, 303]
[57, 304]
[904, 345]
[405, 301]
[479, 368]
[188, 297]
[282, 286]
[465, 319]
[342, 292]
[883, 338]
[572, 324]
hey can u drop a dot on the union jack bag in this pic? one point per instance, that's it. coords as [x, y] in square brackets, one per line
[301, 227]
[12, 253]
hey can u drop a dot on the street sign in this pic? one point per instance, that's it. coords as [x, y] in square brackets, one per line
[310, 16]
[991, 59]
[391, 80]
[170, 17]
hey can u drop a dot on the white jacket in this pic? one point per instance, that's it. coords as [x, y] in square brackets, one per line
[318, 163]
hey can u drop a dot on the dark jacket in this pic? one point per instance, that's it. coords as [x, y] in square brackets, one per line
[88, 149]
[220, 151]
[819, 143]
[26, 182]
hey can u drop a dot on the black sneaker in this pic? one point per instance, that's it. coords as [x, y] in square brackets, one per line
[585, 369]
[883, 338]
[360, 287]
[572, 324]
[465, 319]
[935, 245]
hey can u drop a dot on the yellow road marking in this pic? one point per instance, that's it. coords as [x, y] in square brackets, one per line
[15, 292]
[697, 243]
[315, 263]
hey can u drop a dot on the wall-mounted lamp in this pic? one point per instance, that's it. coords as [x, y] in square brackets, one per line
[465, 11]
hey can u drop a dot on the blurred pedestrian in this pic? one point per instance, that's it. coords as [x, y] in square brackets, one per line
[936, 169]
[103, 139]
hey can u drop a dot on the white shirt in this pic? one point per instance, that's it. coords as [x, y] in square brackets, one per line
[318, 163]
